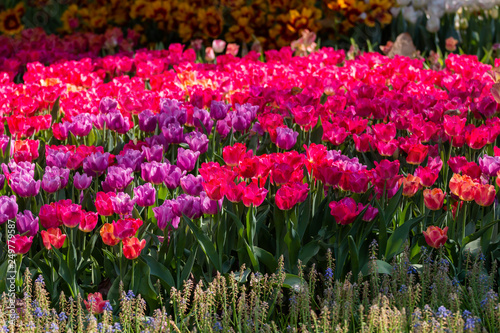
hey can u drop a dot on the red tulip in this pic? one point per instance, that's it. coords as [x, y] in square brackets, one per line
[345, 210]
[417, 153]
[95, 303]
[125, 228]
[435, 237]
[234, 193]
[53, 237]
[103, 203]
[132, 247]
[88, 221]
[233, 155]
[248, 167]
[253, 195]
[454, 125]
[289, 195]
[433, 199]
[484, 195]
[20, 244]
[71, 215]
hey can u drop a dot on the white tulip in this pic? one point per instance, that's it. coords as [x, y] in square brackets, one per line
[433, 23]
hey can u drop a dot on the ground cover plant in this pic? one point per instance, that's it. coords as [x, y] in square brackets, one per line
[143, 171]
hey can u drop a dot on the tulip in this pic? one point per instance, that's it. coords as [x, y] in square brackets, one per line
[209, 54]
[417, 154]
[95, 303]
[435, 237]
[249, 166]
[107, 105]
[362, 142]
[104, 204]
[489, 165]
[234, 193]
[286, 138]
[282, 173]
[454, 125]
[154, 153]
[108, 235]
[27, 224]
[71, 215]
[197, 141]
[122, 204]
[411, 185]
[463, 187]
[53, 237]
[81, 182]
[427, 175]
[145, 194]
[253, 195]
[96, 164]
[148, 121]
[215, 188]
[356, 182]
[126, 227]
[218, 110]
[132, 247]
[232, 155]
[23, 184]
[191, 184]
[25, 150]
[173, 132]
[370, 214]
[218, 45]
[484, 195]
[164, 215]
[88, 221]
[209, 206]
[289, 195]
[345, 210]
[434, 199]
[173, 177]
[154, 172]
[131, 158]
[118, 178]
[56, 158]
[186, 159]
[202, 120]
[8, 208]
[20, 244]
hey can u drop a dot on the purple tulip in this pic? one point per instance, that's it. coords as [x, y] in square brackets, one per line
[96, 163]
[187, 205]
[56, 158]
[286, 137]
[243, 117]
[54, 179]
[122, 204]
[118, 178]
[186, 159]
[15, 167]
[107, 104]
[197, 141]
[81, 182]
[173, 108]
[148, 121]
[209, 206]
[8, 208]
[201, 116]
[157, 140]
[154, 172]
[489, 165]
[154, 153]
[2, 181]
[27, 224]
[173, 177]
[224, 126]
[218, 110]
[145, 194]
[191, 184]
[23, 184]
[81, 124]
[164, 215]
[130, 159]
[115, 121]
[370, 213]
[4, 141]
[173, 133]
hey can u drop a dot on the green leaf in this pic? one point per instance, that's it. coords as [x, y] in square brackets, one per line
[398, 238]
[160, 271]
[293, 281]
[206, 244]
[353, 250]
[55, 110]
[308, 251]
[266, 257]
[382, 267]
[186, 270]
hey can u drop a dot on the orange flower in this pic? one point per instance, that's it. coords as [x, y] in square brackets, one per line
[10, 20]
[210, 21]
[433, 199]
[463, 187]
[53, 237]
[108, 236]
[484, 195]
[411, 185]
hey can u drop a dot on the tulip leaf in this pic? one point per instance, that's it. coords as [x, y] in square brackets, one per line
[381, 266]
[353, 250]
[206, 244]
[160, 271]
[266, 257]
[308, 251]
[55, 110]
[398, 238]
[479, 233]
[293, 281]
[186, 270]
[251, 255]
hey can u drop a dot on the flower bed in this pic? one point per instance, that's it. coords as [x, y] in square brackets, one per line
[154, 167]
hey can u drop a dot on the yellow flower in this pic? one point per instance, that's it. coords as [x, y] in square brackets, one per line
[210, 21]
[70, 19]
[158, 10]
[137, 9]
[186, 18]
[10, 20]
[241, 32]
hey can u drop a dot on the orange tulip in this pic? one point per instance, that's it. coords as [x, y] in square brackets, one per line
[411, 185]
[484, 195]
[53, 237]
[463, 187]
[108, 236]
[433, 199]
